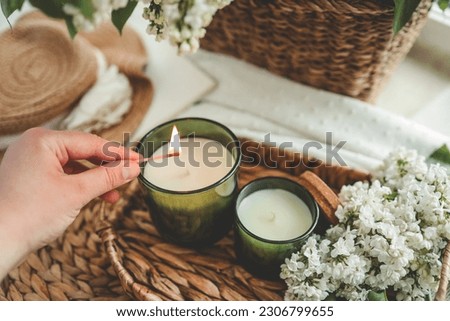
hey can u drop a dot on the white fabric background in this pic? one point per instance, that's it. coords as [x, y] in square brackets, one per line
[254, 102]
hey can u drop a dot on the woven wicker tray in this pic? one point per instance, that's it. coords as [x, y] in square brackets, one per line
[144, 266]
[151, 269]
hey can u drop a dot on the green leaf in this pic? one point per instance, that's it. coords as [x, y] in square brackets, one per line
[441, 155]
[86, 8]
[377, 296]
[52, 8]
[70, 26]
[9, 6]
[120, 16]
[392, 196]
[403, 12]
[444, 4]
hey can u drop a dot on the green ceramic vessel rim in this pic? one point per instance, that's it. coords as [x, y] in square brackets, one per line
[232, 171]
[287, 181]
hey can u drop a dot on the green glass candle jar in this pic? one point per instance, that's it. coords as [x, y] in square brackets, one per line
[191, 197]
[274, 216]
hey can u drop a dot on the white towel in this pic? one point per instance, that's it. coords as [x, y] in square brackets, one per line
[255, 102]
[244, 124]
[105, 104]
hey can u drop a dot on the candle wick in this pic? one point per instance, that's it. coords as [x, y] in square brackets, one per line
[272, 216]
[186, 172]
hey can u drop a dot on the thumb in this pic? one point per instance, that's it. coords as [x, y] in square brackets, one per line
[102, 179]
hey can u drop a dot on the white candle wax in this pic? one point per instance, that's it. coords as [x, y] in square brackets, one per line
[196, 167]
[275, 214]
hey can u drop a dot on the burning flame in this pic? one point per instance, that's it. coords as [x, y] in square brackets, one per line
[174, 145]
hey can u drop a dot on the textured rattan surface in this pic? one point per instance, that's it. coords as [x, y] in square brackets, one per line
[343, 46]
[129, 257]
[151, 269]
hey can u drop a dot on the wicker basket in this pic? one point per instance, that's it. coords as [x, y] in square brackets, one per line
[138, 263]
[151, 269]
[343, 46]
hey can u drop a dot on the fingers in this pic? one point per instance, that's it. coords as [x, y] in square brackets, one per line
[78, 145]
[66, 147]
[111, 196]
[74, 167]
[100, 180]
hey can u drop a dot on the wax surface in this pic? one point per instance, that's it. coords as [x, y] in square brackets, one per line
[275, 214]
[197, 166]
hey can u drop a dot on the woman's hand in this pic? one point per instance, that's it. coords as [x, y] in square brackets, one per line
[43, 187]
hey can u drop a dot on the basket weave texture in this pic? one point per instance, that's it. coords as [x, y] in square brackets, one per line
[50, 72]
[139, 264]
[343, 46]
[43, 73]
[151, 269]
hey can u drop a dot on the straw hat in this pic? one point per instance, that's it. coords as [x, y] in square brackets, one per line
[44, 72]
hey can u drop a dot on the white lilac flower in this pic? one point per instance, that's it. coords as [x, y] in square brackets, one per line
[391, 234]
[311, 283]
[102, 12]
[353, 293]
[183, 22]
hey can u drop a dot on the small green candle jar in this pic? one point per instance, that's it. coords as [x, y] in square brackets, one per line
[266, 229]
[191, 216]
